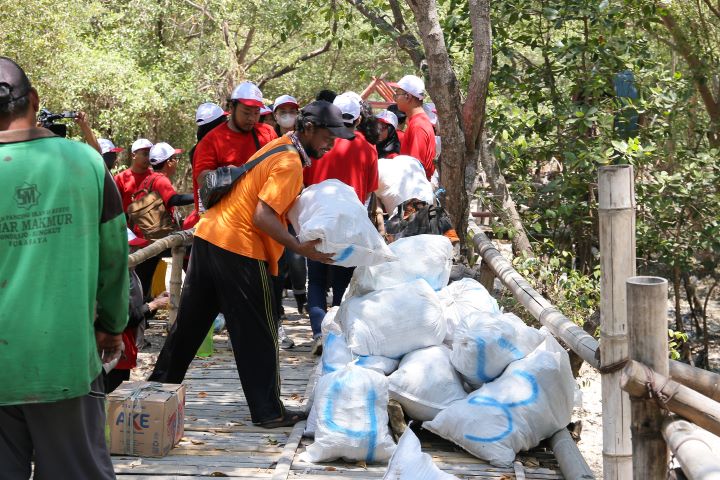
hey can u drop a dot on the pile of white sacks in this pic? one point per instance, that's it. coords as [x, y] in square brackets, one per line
[475, 376]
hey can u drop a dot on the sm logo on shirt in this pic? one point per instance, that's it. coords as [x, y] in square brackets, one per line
[139, 420]
[27, 195]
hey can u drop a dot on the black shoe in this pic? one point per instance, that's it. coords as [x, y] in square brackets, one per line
[301, 300]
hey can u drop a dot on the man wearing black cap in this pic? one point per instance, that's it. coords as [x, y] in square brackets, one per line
[63, 292]
[236, 248]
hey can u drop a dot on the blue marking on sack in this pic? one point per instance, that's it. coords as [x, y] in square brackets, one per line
[482, 356]
[505, 407]
[329, 340]
[344, 254]
[370, 434]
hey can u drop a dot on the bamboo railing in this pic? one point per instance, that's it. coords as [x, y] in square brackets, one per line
[177, 243]
[687, 391]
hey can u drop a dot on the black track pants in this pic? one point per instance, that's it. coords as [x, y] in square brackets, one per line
[217, 281]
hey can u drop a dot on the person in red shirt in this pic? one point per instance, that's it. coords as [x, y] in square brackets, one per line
[355, 163]
[162, 158]
[128, 181]
[235, 141]
[419, 140]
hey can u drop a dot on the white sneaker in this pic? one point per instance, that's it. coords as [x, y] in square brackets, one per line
[285, 341]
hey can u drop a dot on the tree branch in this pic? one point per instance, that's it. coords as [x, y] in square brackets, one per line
[698, 71]
[293, 65]
[201, 9]
[399, 21]
[241, 53]
[474, 108]
[302, 58]
[405, 40]
[712, 8]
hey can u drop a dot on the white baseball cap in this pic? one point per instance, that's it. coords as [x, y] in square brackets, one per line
[354, 95]
[413, 85]
[265, 110]
[208, 112]
[106, 146]
[140, 144]
[348, 105]
[431, 112]
[285, 100]
[161, 152]
[388, 117]
[248, 94]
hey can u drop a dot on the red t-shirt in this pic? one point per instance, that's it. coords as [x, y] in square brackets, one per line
[223, 146]
[353, 162]
[419, 142]
[128, 182]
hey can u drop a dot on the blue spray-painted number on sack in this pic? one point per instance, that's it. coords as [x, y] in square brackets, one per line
[344, 254]
[330, 339]
[482, 356]
[505, 407]
[370, 434]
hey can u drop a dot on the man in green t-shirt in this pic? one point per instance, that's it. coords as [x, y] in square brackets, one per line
[63, 293]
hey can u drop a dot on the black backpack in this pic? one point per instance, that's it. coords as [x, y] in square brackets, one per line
[427, 219]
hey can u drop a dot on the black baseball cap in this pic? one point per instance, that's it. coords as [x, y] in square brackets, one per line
[14, 84]
[326, 115]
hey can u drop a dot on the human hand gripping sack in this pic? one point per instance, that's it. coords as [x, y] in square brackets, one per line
[308, 250]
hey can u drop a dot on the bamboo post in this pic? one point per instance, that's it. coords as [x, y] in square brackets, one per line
[178, 257]
[647, 329]
[677, 398]
[616, 214]
[687, 444]
[487, 277]
[572, 464]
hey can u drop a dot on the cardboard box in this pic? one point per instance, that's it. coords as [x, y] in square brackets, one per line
[145, 418]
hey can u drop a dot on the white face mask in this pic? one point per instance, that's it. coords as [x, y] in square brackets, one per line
[286, 120]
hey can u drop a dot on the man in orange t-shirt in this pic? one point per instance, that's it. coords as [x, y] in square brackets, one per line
[235, 141]
[236, 248]
[419, 139]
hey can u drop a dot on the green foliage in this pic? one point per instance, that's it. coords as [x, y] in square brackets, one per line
[675, 342]
[141, 67]
[552, 273]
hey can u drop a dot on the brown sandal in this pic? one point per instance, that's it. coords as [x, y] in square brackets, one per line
[290, 418]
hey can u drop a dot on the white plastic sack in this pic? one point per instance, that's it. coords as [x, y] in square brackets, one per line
[352, 417]
[330, 211]
[336, 353]
[423, 256]
[410, 463]
[530, 401]
[400, 179]
[426, 383]
[485, 343]
[463, 297]
[383, 365]
[393, 321]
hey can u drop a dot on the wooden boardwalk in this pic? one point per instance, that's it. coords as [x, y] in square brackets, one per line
[220, 440]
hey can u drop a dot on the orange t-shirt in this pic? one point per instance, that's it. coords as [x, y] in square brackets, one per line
[277, 180]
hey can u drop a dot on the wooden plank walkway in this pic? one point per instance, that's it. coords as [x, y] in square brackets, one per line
[220, 440]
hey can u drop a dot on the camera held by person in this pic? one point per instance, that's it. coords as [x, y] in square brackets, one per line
[46, 119]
